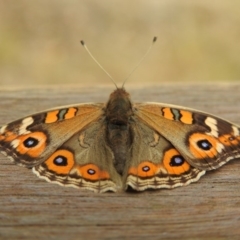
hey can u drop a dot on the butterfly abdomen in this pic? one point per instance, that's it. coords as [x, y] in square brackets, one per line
[119, 137]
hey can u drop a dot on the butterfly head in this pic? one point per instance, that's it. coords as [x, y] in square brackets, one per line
[119, 106]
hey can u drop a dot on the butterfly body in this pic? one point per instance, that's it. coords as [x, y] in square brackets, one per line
[120, 144]
[118, 114]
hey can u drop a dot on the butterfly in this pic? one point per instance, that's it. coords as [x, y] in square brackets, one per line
[121, 145]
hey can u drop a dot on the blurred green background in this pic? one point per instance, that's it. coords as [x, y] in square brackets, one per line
[197, 41]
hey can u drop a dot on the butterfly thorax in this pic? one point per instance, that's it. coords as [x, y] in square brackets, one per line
[118, 112]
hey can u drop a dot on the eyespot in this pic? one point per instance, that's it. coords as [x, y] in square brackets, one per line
[30, 142]
[60, 161]
[145, 169]
[228, 140]
[92, 172]
[204, 144]
[176, 160]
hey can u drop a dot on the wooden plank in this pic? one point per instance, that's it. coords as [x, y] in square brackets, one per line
[31, 208]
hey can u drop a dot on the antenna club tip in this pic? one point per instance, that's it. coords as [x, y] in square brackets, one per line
[82, 42]
[154, 39]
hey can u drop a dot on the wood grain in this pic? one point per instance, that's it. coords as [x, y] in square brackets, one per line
[31, 208]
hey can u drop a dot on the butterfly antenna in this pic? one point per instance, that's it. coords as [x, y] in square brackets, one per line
[95, 60]
[141, 60]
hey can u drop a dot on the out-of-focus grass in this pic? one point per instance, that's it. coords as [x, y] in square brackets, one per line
[197, 40]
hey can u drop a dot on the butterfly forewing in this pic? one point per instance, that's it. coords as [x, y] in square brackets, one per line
[31, 140]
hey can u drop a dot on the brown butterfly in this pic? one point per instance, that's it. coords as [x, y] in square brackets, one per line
[121, 145]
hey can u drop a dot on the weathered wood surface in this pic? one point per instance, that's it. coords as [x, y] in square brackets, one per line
[31, 208]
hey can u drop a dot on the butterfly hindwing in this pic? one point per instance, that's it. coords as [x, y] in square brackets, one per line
[155, 163]
[84, 161]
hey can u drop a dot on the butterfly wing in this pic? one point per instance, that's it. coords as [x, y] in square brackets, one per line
[174, 146]
[32, 139]
[84, 161]
[206, 142]
[155, 163]
[61, 144]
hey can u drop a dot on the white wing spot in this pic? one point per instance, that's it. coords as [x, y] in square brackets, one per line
[15, 143]
[220, 147]
[235, 131]
[3, 128]
[212, 123]
[25, 123]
